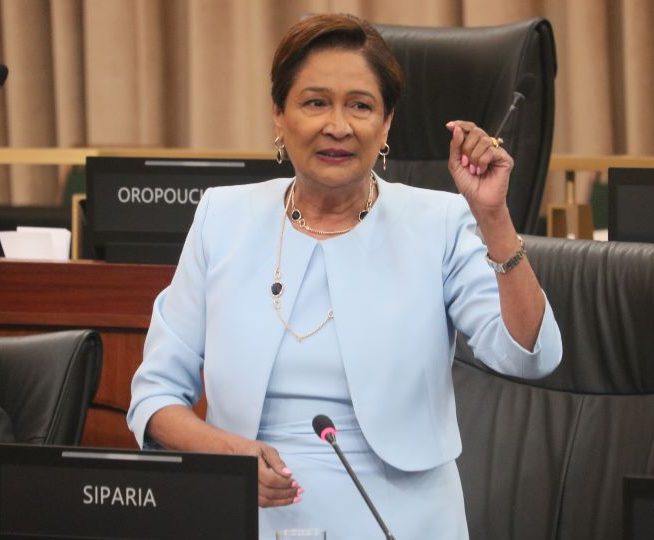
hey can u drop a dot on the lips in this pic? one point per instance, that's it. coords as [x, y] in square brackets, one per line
[335, 153]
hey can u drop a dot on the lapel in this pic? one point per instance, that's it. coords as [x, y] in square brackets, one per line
[362, 273]
[257, 346]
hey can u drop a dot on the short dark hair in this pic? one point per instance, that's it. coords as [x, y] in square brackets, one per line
[328, 31]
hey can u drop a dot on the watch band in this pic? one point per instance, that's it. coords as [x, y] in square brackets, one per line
[509, 264]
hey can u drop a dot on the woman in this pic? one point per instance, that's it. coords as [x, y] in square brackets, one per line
[338, 293]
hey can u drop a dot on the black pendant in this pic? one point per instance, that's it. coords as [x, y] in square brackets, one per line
[295, 215]
[276, 288]
[362, 214]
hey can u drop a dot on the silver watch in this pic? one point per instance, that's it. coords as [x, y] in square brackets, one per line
[509, 264]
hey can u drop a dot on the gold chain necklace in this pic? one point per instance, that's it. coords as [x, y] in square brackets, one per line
[277, 288]
[297, 218]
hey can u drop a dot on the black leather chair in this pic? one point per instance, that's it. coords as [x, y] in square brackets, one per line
[546, 459]
[471, 74]
[47, 382]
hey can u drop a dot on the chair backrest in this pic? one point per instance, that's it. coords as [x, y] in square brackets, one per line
[546, 459]
[47, 382]
[471, 74]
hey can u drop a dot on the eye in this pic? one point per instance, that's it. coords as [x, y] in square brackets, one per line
[361, 106]
[315, 103]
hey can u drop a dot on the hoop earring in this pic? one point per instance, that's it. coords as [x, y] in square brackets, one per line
[383, 153]
[280, 150]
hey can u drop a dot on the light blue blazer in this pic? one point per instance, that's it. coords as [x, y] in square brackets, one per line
[401, 283]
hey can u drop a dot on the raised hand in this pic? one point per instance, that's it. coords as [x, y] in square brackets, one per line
[479, 166]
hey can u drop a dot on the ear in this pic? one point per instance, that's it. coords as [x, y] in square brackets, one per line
[278, 119]
[386, 128]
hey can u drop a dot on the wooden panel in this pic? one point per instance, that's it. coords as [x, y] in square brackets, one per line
[583, 162]
[77, 156]
[115, 299]
[107, 429]
[122, 354]
[79, 293]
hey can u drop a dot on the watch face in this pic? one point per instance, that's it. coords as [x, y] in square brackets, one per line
[503, 268]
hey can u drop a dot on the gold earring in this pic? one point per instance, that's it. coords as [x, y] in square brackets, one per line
[383, 153]
[280, 150]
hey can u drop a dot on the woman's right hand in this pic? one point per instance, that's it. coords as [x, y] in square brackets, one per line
[276, 484]
[176, 427]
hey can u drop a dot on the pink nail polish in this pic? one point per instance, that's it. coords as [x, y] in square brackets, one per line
[464, 160]
[300, 491]
[287, 471]
[294, 484]
[297, 500]
[478, 171]
[472, 169]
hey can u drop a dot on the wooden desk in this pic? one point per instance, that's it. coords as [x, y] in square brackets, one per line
[572, 219]
[115, 299]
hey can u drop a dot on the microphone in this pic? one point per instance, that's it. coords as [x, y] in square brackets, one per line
[324, 428]
[522, 91]
[3, 74]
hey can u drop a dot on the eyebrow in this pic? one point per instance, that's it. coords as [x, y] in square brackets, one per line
[327, 89]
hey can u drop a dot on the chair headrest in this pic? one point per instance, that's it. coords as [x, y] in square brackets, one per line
[461, 73]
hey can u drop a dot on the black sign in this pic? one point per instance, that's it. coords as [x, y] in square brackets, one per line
[80, 493]
[140, 209]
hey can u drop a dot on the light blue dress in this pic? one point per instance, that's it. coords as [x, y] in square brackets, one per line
[308, 378]
[401, 283]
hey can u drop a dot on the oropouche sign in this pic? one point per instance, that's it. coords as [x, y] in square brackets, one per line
[139, 210]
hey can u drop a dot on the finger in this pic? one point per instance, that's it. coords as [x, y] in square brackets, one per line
[270, 478]
[275, 462]
[455, 146]
[465, 125]
[482, 148]
[276, 490]
[272, 494]
[265, 502]
[474, 138]
[485, 160]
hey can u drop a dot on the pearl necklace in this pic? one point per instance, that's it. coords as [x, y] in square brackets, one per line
[277, 288]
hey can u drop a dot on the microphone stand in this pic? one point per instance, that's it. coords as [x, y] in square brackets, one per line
[332, 440]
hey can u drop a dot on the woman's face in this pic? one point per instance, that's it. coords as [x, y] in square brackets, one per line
[333, 124]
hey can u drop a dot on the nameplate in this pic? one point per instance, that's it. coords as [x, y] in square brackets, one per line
[85, 494]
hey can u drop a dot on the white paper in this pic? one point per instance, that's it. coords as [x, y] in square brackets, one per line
[40, 243]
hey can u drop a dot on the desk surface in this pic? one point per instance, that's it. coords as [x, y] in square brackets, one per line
[79, 293]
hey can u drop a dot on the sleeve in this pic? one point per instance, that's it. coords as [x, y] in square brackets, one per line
[473, 304]
[173, 356]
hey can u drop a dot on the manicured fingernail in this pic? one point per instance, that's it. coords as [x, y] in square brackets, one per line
[297, 500]
[464, 160]
[300, 491]
[478, 171]
[287, 471]
[449, 124]
[472, 169]
[295, 484]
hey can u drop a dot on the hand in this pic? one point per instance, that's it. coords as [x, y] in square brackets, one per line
[480, 171]
[178, 427]
[276, 485]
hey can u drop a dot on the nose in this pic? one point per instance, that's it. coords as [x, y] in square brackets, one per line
[337, 124]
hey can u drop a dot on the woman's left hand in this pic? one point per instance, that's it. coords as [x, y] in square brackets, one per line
[480, 169]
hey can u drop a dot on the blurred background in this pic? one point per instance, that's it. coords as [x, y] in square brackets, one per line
[194, 74]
